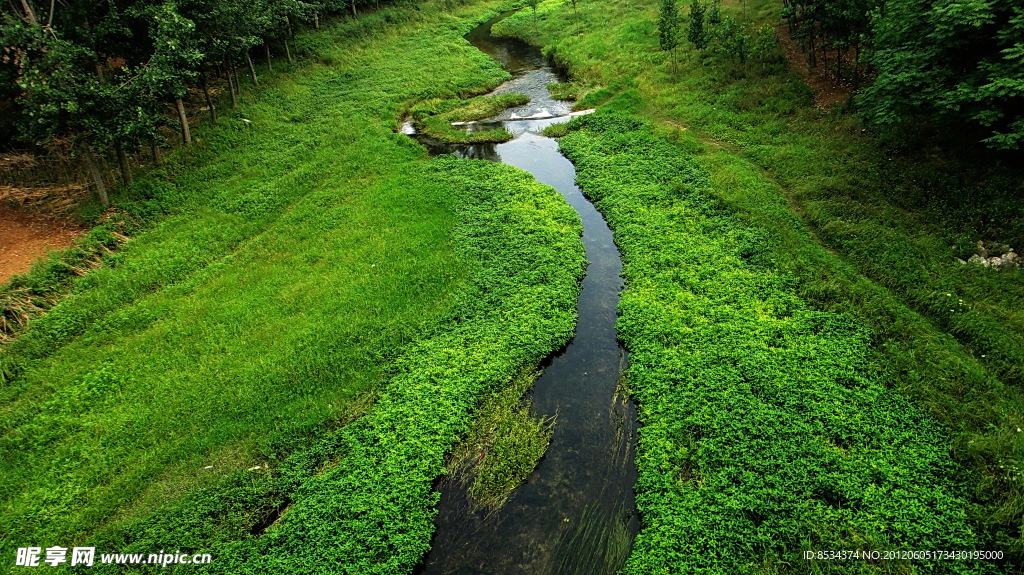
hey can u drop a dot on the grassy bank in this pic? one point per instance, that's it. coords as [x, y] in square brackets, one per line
[303, 266]
[866, 231]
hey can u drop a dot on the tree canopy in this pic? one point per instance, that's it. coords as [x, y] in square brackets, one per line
[951, 61]
[103, 74]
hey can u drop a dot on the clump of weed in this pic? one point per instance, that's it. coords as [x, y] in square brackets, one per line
[504, 446]
[556, 130]
[434, 118]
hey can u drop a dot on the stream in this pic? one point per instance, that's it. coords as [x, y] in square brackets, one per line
[576, 513]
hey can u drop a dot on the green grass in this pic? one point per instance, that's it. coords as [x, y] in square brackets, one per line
[868, 229]
[290, 275]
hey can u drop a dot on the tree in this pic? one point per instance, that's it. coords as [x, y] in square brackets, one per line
[668, 29]
[175, 60]
[955, 63]
[698, 33]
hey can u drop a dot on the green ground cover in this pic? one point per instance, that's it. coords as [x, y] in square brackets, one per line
[867, 231]
[302, 321]
[765, 431]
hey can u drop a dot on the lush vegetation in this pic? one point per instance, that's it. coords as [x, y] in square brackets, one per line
[867, 232]
[953, 65]
[310, 314]
[301, 269]
[765, 430]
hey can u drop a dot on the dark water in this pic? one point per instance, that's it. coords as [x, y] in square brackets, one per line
[575, 514]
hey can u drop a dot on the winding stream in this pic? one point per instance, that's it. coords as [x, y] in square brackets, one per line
[576, 513]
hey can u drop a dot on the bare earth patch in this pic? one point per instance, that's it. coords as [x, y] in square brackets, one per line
[24, 238]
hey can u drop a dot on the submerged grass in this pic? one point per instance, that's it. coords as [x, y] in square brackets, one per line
[300, 262]
[504, 446]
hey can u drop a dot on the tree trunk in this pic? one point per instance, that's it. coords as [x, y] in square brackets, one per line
[231, 90]
[266, 49]
[287, 51]
[252, 69]
[839, 65]
[288, 22]
[157, 157]
[824, 56]
[354, 8]
[316, 21]
[185, 134]
[126, 167]
[101, 188]
[29, 14]
[209, 101]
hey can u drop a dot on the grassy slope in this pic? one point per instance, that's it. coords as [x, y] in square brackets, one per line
[308, 256]
[802, 176]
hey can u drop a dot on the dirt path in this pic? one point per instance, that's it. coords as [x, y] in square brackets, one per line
[24, 238]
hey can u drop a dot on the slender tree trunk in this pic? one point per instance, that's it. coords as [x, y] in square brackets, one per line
[29, 14]
[287, 51]
[266, 50]
[288, 22]
[839, 65]
[856, 66]
[354, 8]
[231, 90]
[101, 188]
[126, 167]
[209, 101]
[185, 134]
[824, 53]
[316, 21]
[157, 157]
[238, 82]
[49, 19]
[252, 69]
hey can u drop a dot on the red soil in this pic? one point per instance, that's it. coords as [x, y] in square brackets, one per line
[24, 238]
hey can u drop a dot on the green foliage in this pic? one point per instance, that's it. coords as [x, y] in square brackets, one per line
[516, 237]
[668, 25]
[954, 62]
[869, 232]
[765, 432]
[732, 38]
[566, 90]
